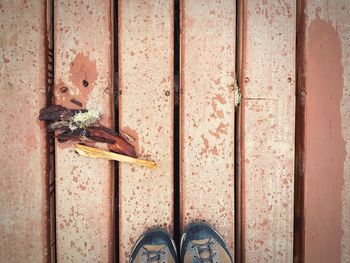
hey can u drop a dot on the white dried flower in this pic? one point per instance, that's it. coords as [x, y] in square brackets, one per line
[82, 120]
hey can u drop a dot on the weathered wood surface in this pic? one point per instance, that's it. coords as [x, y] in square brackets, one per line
[207, 114]
[327, 131]
[24, 225]
[268, 32]
[84, 187]
[146, 114]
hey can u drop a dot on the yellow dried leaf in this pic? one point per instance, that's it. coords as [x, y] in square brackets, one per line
[93, 152]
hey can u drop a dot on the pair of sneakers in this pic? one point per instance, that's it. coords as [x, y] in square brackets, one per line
[200, 243]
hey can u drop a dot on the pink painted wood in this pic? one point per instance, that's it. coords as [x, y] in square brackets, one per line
[84, 187]
[146, 115]
[267, 149]
[207, 114]
[24, 225]
[327, 131]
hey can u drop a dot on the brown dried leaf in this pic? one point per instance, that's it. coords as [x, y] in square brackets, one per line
[57, 113]
[54, 126]
[117, 142]
[61, 119]
[68, 135]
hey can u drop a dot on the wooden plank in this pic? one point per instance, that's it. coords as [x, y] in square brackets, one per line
[268, 106]
[24, 225]
[207, 114]
[84, 187]
[326, 160]
[146, 114]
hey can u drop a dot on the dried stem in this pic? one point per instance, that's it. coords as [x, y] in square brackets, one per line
[93, 152]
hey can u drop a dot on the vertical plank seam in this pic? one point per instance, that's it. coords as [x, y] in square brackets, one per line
[49, 45]
[299, 222]
[238, 134]
[241, 14]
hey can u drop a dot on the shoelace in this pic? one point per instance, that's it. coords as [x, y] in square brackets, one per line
[154, 256]
[202, 249]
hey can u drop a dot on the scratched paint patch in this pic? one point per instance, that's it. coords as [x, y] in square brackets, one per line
[272, 10]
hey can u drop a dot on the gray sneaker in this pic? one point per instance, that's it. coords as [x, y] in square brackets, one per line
[200, 243]
[154, 246]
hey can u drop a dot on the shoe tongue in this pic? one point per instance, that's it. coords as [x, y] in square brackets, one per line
[153, 248]
[200, 241]
[203, 253]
